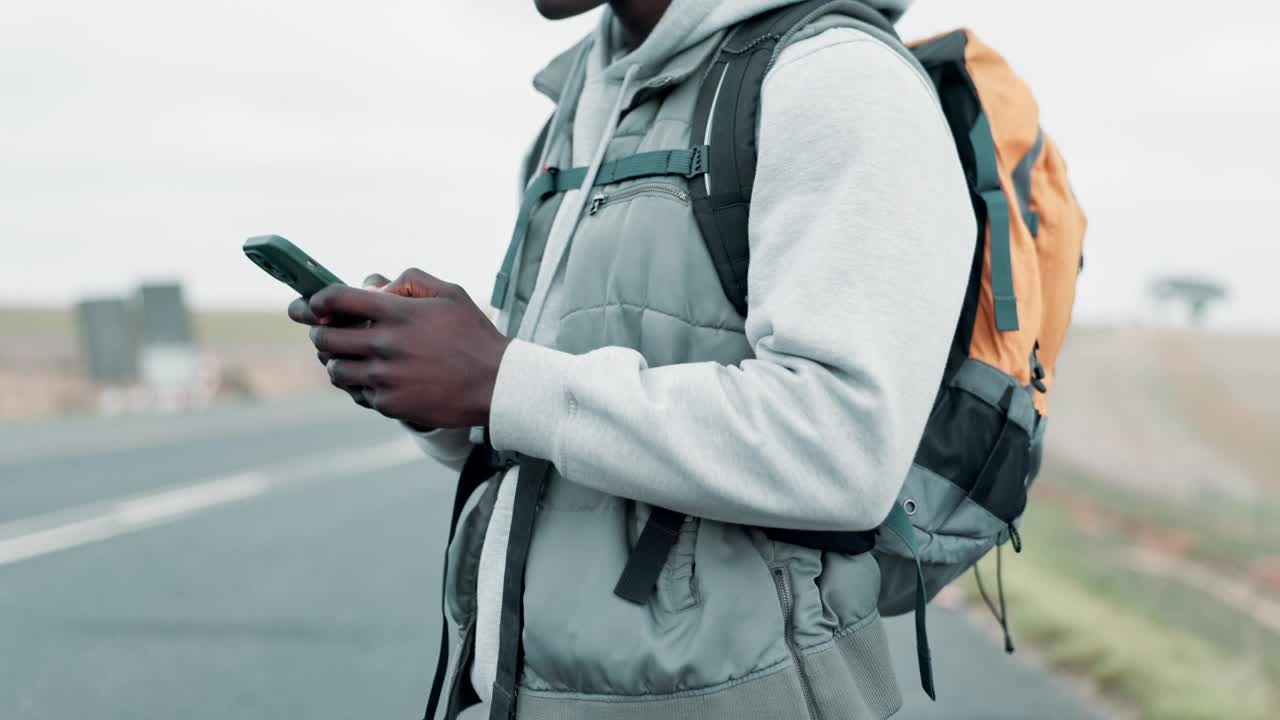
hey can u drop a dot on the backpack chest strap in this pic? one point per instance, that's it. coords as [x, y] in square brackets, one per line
[689, 163]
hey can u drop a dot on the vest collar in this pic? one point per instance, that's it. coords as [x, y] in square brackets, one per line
[552, 80]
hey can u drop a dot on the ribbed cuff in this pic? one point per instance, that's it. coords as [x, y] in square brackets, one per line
[530, 400]
[447, 445]
[420, 433]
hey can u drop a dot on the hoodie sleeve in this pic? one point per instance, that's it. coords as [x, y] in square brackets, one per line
[449, 446]
[861, 237]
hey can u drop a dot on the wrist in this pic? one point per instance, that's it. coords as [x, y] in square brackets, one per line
[485, 403]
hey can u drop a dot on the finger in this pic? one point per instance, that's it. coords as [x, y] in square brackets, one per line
[346, 373]
[357, 394]
[340, 341]
[325, 357]
[352, 302]
[376, 280]
[300, 312]
[418, 284]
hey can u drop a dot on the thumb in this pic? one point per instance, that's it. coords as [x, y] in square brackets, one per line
[375, 281]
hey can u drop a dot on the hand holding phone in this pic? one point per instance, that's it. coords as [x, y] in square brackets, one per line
[287, 263]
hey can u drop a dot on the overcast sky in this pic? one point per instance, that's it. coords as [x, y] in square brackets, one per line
[146, 139]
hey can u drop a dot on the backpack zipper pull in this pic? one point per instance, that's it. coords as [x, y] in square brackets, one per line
[596, 202]
[1004, 610]
[1015, 538]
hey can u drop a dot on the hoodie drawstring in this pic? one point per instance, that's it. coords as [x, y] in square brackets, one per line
[1002, 616]
[615, 116]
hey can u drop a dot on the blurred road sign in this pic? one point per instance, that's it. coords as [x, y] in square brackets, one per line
[108, 340]
[162, 315]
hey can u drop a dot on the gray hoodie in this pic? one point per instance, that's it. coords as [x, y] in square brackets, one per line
[837, 392]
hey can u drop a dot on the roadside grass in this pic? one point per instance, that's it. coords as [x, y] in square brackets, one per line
[1166, 649]
[212, 328]
[240, 328]
[36, 322]
[1229, 534]
[259, 354]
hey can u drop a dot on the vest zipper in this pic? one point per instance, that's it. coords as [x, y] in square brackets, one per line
[601, 198]
[784, 597]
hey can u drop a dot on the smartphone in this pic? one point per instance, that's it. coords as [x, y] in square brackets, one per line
[288, 264]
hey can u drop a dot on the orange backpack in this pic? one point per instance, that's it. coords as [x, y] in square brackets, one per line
[1046, 224]
[983, 443]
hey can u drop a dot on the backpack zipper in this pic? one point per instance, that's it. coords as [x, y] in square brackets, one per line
[784, 597]
[1038, 373]
[601, 198]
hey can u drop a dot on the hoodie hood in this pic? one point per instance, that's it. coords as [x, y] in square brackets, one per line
[687, 23]
[599, 78]
[684, 25]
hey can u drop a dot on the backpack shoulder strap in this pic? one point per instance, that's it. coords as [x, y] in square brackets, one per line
[531, 168]
[725, 118]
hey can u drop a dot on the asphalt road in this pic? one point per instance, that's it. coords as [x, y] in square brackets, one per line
[278, 561]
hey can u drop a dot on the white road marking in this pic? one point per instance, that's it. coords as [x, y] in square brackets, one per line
[64, 529]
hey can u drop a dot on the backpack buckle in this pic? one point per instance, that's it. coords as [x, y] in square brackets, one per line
[499, 459]
[698, 161]
[502, 460]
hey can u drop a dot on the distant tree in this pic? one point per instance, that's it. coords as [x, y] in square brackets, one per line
[1196, 293]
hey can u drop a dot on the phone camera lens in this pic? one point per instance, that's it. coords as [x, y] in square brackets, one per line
[275, 271]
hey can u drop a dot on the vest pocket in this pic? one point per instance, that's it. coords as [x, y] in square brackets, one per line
[603, 197]
[677, 582]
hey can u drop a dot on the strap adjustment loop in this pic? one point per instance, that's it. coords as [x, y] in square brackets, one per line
[698, 161]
